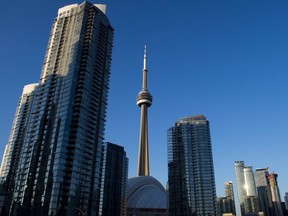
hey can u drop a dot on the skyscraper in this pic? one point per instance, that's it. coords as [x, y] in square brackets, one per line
[286, 200]
[229, 193]
[264, 191]
[246, 188]
[13, 148]
[240, 184]
[144, 100]
[276, 199]
[226, 205]
[59, 164]
[10, 160]
[250, 185]
[191, 179]
[114, 181]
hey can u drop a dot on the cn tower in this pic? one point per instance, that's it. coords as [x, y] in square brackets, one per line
[144, 100]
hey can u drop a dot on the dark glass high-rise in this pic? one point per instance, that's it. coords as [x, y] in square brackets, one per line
[191, 181]
[114, 181]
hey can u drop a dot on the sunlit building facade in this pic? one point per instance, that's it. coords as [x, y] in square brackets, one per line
[191, 179]
[240, 184]
[246, 189]
[250, 185]
[59, 164]
[276, 199]
[12, 151]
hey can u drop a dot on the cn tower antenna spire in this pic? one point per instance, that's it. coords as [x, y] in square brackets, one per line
[145, 58]
[144, 83]
[144, 100]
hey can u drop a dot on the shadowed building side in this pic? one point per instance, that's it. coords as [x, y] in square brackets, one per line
[114, 181]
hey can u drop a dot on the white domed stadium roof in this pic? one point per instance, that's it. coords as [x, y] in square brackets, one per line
[146, 192]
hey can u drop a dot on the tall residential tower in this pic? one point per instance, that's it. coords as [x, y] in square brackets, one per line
[276, 198]
[246, 189]
[240, 183]
[264, 191]
[191, 178]
[58, 169]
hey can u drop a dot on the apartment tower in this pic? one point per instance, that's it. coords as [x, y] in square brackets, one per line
[56, 142]
[191, 179]
[264, 191]
[276, 198]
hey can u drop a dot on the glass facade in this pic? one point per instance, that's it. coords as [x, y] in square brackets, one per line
[59, 163]
[250, 185]
[114, 181]
[191, 180]
[11, 157]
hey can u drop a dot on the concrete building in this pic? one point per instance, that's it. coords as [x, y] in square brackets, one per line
[276, 199]
[264, 191]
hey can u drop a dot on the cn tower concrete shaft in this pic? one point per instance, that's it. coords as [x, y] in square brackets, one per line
[144, 100]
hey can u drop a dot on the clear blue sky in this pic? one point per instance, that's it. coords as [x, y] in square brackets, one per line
[226, 59]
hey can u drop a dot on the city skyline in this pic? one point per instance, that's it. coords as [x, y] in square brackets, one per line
[228, 64]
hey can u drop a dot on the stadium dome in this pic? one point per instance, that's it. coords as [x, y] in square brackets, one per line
[146, 192]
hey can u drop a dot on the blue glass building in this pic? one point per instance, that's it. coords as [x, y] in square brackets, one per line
[59, 163]
[191, 181]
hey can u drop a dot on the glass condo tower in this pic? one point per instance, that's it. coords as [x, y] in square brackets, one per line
[52, 162]
[191, 181]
